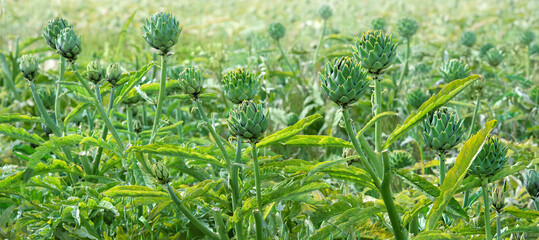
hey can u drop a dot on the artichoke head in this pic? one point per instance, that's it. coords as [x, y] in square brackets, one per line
[453, 70]
[532, 184]
[401, 159]
[494, 57]
[484, 49]
[29, 66]
[527, 37]
[240, 85]
[68, 44]
[442, 130]
[53, 28]
[497, 198]
[191, 82]
[407, 27]
[490, 159]
[344, 81]
[161, 173]
[114, 72]
[375, 50]
[95, 72]
[161, 31]
[325, 12]
[468, 39]
[248, 120]
[276, 31]
[416, 98]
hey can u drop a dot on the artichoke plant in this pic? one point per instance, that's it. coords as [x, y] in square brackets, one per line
[416, 98]
[494, 57]
[532, 184]
[276, 31]
[248, 120]
[442, 130]
[379, 24]
[160, 172]
[484, 49]
[375, 50]
[498, 199]
[191, 82]
[453, 70]
[161, 31]
[344, 81]
[407, 27]
[53, 28]
[468, 39]
[527, 37]
[240, 85]
[94, 72]
[68, 44]
[325, 12]
[490, 159]
[114, 72]
[401, 159]
[29, 66]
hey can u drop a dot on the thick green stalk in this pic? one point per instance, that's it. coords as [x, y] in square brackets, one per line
[475, 112]
[498, 226]
[99, 108]
[203, 228]
[57, 95]
[258, 223]
[234, 184]
[442, 166]
[486, 204]
[320, 41]
[377, 110]
[213, 133]
[161, 98]
[387, 196]
[292, 69]
[257, 176]
[221, 228]
[105, 131]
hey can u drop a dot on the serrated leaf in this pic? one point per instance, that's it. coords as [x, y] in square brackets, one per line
[54, 143]
[40, 169]
[521, 213]
[373, 120]
[351, 174]
[75, 112]
[13, 117]
[526, 229]
[90, 141]
[134, 79]
[177, 151]
[20, 134]
[345, 221]
[437, 235]
[289, 131]
[317, 141]
[327, 164]
[133, 191]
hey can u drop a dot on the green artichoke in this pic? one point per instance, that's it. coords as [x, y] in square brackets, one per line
[292, 119]
[53, 28]
[490, 159]
[416, 98]
[325, 12]
[240, 85]
[191, 82]
[375, 50]
[378, 24]
[114, 72]
[532, 184]
[407, 27]
[248, 120]
[68, 44]
[442, 130]
[534, 49]
[344, 81]
[276, 31]
[161, 31]
[453, 70]
[137, 126]
[401, 159]
[94, 72]
[494, 57]
[160, 171]
[29, 66]
[484, 49]
[527, 37]
[498, 199]
[468, 39]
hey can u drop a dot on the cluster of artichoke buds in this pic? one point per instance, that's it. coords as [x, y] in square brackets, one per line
[29, 66]
[344, 81]
[407, 27]
[114, 72]
[401, 159]
[248, 120]
[52, 30]
[375, 50]
[453, 70]
[527, 37]
[494, 57]
[191, 82]
[416, 98]
[468, 39]
[161, 31]
[161, 173]
[442, 130]
[240, 85]
[95, 72]
[484, 49]
[490, 159]
[276, 31]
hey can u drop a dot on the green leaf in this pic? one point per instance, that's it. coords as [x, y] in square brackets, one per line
[75, 112]
[134, 191]
[40, 169]
[327, 164]
[374, 120]
[132, 95]
[520, 213]
[127, 92]
[472, 182]
[90, 141]
[170, 127]
[13, 117]
[20, 134]
[289, 131]
[437, 100]
[53, 144]
[346, 220]
[418, 207]
[351, 174]
[200, 189]
[526, 229]
[177, 151]
[437, 235]
[456, 174]
[317, 141]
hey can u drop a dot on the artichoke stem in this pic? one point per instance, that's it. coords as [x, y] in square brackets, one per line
[292, 69]
[498, 226]
[104, 133]
[387, 197]
[377, 110]
[236, 201]
[475, 112]
[221, 228]
[161, 97]
[487, 208]
[57, 96]
[258, 223]
[442, 166]
[258, 216]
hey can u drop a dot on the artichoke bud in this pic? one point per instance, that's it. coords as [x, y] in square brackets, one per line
[468, 39]
[94, 72]
[161, 31]
[375, 50]
[484, 49]
[407, 27]
[240, 85]
[114, 72]
[534, 49]
[442, 130]
[401, 159]
[325, 12]
[490, 159]
[498, 198]
[29, 66]
[53, 28]
[160, 171]
[68, 44]
[527, 37]
[344, 81]
[137, 126]
[276, 31]
[416, 98]
[379, 24]
[292, 119]
[248, 120]
[532, 184]
[494, 57]
[453, 70]
[191, 82]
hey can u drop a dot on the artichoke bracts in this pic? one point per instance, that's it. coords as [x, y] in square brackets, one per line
[191, 82]
[378, 24]
[416, 98]
[160, 171]
[375, 50]
[401, 159]
[248, 120]
[68, 44]
[53, 28]
[344, 81]
[113, 74]
[407, 27]
[240, 85]
[527, 37]
[532, 184]
[442, 130]
[94, 72]
[453, 70]
[325, 12]
[490, 159]
[276, 31]
[29, 66]
[468, 39]
[497, 198]
[484, 49]
[494, 57]
[161, 31]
